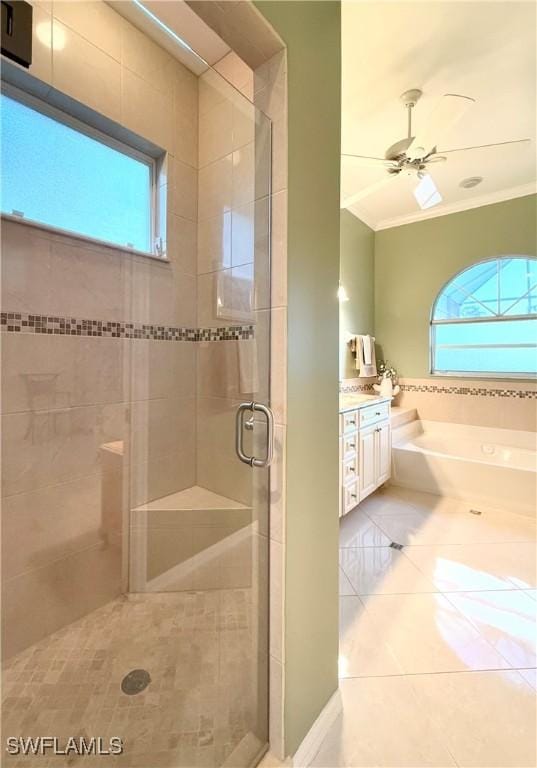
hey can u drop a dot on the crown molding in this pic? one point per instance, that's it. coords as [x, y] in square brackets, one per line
[463, 205]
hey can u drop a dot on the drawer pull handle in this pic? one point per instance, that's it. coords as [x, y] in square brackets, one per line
[377, 413]
[353, 495]
[352, 469]
[352, 445]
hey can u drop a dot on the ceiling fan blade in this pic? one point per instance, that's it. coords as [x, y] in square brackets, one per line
[346, 202]
[447, 112]
[365, 161]
[482, 146]
[426, 193]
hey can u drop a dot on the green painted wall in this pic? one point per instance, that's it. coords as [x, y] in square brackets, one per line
[413, 261]
[311, 31]
[357, 249]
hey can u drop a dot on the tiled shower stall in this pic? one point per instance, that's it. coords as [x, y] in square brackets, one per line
[133, 537]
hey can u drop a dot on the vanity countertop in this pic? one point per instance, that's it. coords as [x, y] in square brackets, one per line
[352, 401]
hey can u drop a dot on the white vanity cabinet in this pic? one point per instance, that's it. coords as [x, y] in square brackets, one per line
[364, 452]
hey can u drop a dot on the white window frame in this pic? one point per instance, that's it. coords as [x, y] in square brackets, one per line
[467, 321]
[155, 165]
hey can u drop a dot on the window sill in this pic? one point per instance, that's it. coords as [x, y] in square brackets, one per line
[83, 238]
[527, 377]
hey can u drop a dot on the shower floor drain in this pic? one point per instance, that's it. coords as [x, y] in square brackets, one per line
[135, 682]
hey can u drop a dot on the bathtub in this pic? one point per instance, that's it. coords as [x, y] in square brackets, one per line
[494, 468]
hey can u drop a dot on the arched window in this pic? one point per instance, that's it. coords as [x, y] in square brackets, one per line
[484, 320]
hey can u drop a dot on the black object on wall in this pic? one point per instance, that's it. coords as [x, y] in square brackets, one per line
[17, 31]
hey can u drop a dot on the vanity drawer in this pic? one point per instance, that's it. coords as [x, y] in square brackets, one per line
[349, 422]
[374, 413]
[350, 496]
[350, 446]
[350, 470]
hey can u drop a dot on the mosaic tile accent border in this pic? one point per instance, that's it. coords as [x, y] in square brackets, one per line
[19, 322]
[523, 394]
[347, 389]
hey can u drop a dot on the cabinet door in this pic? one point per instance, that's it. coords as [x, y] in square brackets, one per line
[384, 453]
[368, 462]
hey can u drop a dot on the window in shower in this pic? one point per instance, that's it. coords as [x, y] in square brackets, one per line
[63, 174]
[484, 320]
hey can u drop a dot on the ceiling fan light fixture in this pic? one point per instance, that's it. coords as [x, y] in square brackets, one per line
[426, 193]
[471, 181]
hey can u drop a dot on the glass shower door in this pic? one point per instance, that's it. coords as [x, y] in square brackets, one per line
[136, 433]
[198, 557]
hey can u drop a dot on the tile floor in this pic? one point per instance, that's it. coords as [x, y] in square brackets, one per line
[438, 639]
[199, 648]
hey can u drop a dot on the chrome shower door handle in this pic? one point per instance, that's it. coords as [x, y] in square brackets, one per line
[239, 428]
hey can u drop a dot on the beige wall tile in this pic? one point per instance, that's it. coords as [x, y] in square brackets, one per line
[185, 179]
[243, 234]
[145, 58]
[277, 485]
[48, 447]
[161, 428]
[37, 372]
[162, 295]
[214, 243]
[182, 244]
[244, 122]
[215, 188]
[214, 292]
[218, 369]
[147, 111]
[42, 600]
[26, 276]
[45, 525]
[217, 466]
[160, 477]
[276, 694]
[162, 369]
[86, 73]
[236, 72]
[279, 249]
[100, 370]
[213, 89]
[216, 133]
[244, 176]
[186, 116]
[95, 21]
[42, 372]
[93, 281]
[276, 601]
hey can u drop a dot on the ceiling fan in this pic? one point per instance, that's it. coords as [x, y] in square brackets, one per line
[413, 155]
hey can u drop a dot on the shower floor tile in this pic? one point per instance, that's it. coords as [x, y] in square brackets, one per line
[200, 651]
